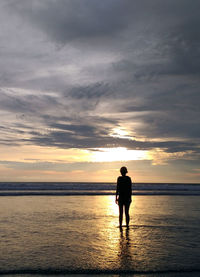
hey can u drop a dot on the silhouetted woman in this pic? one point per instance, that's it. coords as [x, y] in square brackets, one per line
[123, 195]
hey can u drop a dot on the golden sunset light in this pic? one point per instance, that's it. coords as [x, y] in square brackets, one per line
[120, 133]
[118, 154]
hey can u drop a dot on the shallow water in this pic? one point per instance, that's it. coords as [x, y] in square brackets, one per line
[79, 234]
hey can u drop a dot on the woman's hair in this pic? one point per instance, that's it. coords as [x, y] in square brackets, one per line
[123, 170]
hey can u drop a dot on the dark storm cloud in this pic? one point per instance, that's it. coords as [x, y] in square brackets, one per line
[67, 20]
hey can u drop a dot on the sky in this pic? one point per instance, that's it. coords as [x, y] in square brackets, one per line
[88, 86]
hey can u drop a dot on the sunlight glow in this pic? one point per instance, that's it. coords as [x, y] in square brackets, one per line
[117, 154]
[120, 133]
[111, 208]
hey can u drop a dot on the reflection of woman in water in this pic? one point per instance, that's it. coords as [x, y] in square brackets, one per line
[123, 195]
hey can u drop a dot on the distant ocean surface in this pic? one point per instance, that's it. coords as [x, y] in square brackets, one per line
[83, 188]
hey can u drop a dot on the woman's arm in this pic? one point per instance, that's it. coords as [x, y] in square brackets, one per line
[130, 189]
[117, 192]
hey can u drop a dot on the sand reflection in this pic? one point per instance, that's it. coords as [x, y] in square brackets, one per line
[124, 249]
[119, 242]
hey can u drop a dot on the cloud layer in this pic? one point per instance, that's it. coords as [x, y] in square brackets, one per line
[74, 71]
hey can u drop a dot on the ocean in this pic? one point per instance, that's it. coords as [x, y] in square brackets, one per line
[72, 228]
[74, 188]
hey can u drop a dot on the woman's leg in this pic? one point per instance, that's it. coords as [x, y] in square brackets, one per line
[127, 205]
[120, 214]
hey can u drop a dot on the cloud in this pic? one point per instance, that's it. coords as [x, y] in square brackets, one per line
[89, 92]
[72, 71]
[28, 103]
[67, 20]
[93, 137]
[61, 166]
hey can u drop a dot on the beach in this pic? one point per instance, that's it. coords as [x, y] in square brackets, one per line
[79, 234]
[99, 103]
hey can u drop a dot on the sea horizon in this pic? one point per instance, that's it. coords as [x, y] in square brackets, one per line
[94, 188]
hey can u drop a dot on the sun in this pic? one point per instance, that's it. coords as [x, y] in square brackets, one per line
[117, 154]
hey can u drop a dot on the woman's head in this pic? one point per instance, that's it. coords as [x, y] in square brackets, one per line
[123, 170]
